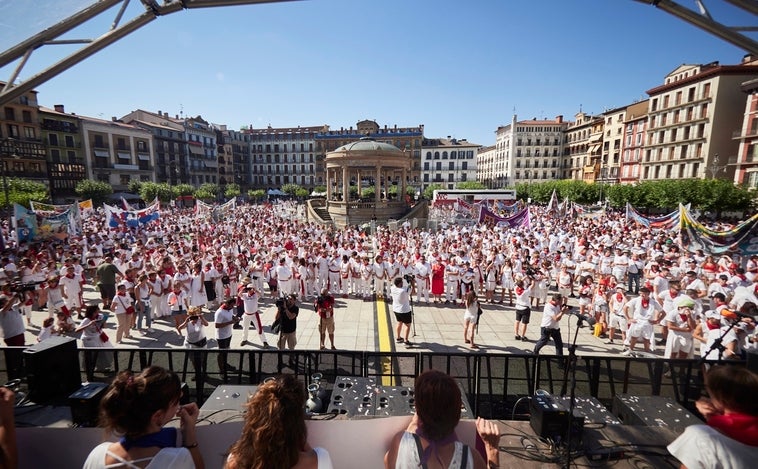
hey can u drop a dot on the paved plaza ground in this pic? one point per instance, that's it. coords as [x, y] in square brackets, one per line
[360, 325]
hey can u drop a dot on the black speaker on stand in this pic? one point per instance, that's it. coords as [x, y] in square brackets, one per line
[52, 369]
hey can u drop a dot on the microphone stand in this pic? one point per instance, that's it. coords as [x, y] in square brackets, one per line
[571, 368]
[718, 344]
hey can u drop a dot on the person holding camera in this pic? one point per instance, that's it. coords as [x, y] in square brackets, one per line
[550, 327]
[224, 319]
[286, 314]
[401, 306]
[325, 310]
[523, 293]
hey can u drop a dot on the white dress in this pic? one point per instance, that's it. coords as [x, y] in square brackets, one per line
[166, 458]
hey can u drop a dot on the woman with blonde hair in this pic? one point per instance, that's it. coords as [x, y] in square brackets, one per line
[274, 435]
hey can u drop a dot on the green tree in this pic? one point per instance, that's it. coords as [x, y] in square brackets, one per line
[290, 189]
[320, 189]
[469, 185]
[207, 191]
[301, 193]
[135, 186]
[21, 191]
[429, 191]
[183, 189]
[256, 194]
[368, 192]
[232, 190]
[98, 191]
[150, 190]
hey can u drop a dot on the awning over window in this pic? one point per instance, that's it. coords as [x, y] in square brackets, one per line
[196, 150]
[596, 137]
[102, 154]
[143, 157]
[211, 164]
[122, 155]
[593, 148]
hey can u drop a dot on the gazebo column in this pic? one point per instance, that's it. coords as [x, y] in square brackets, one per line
[328, 187]
[401, 195]
[378, 185]
[345, 184]
[358, 184]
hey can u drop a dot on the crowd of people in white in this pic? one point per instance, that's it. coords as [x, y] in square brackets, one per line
[640, 285]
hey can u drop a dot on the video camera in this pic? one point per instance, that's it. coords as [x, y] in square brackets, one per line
[22, 287]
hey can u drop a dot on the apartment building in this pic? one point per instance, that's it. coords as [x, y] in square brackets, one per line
[746, 167]
[171, 155]
[635, 122]
[487, 168]
[285, 155]
[610, 150]
[201, 151]
[236, 157]
[408, 139]
[119, 152]
[22, 150]
[61, 132]
[527, 151]
[447, 161]
[688, 118]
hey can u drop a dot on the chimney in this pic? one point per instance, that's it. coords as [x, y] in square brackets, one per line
[113, 118]
[559, 119]
[160, 113]
[176, 116]
[59, 108]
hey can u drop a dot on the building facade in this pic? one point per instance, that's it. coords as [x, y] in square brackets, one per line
[610, 151]
[119, 152]
[635, 121]
[23, 152]
[528, 151]
[65, 158]
[171, 158]
[201, 151]
[447, 161]
[485, 167]
[746, 168]
[581, 155]
[237, 155]
[687, 120]
[282, 156]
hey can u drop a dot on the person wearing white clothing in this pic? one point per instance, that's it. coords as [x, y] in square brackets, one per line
[252, 315]
[643, 311]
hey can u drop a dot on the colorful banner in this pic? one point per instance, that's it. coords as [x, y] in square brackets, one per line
[521, 219]
[86, 208]
[668, 222]
[40, 207]
[116, 217]
[742, 239]
[55, 225]
[553, 205]
[25, 223]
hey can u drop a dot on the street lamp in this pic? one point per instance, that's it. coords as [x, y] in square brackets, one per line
[715, 166]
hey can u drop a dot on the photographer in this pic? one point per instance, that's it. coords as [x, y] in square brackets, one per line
[550, 325]
[325, 309]
[286, 313]
[523, 292]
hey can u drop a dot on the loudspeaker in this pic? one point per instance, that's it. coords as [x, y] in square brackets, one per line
[229, 397]
[85, 404]
[52, 369]
[652, 411]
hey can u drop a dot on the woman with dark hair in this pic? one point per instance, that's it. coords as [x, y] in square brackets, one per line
[730, 438]
[274, 435]
[136, 407]
[430, 441]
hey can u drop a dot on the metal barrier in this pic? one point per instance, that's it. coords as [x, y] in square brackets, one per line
[493, 383]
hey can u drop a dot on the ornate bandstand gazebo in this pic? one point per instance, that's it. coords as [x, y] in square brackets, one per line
[366, 163]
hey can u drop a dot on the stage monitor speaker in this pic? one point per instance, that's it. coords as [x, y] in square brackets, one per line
[229, 397]
[85, 404]
[652, 411]
[52, 369]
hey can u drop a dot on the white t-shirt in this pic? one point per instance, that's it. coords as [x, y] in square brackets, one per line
[223, 315]
[704, 447]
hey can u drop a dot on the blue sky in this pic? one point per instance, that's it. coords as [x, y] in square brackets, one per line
[458, 67]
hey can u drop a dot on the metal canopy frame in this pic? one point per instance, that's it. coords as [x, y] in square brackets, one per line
[50, 37]
[703, 19]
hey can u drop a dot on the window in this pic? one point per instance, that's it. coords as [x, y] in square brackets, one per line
[53, 139]
[444, 155]
[428, 155]
[436, 155]
[426, 166]
[10, 114]
[99, 141]
[451, 166]
[70, 141]
[124, 179]
[26, 116]
[707, 90]
[55, 155]
[464, 166]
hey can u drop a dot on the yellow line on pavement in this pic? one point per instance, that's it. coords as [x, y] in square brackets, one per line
[384, 336]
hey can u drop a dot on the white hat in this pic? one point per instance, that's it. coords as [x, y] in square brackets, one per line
[250, 285]
[712, 314]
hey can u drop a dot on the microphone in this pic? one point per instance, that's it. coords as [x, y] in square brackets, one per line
[583, 317]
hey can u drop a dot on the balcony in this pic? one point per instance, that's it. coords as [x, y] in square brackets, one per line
[125, 167]
[751, 133]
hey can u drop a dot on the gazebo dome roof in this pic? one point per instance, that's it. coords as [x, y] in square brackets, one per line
[368, 144]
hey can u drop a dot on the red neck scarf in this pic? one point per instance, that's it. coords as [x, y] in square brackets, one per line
[737, 426]
[645, 303]
[673, 294]
[619, 297]
[519, 290]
